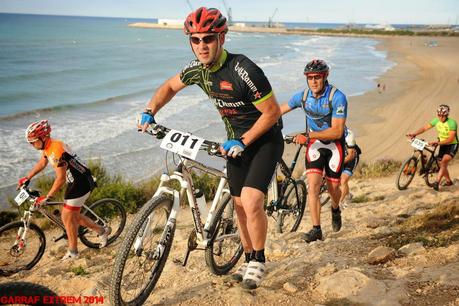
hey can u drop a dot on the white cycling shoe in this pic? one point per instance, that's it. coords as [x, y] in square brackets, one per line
[70, 256]
[254, 275]
[104, 236]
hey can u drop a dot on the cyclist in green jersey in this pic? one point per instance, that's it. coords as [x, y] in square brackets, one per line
[447, 140]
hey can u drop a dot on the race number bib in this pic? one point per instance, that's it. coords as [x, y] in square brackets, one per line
[21, 197]
[418, 144]
[182, 143]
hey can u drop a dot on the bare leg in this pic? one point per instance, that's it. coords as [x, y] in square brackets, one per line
[314, 182]
[335, 192]
[443, 172]
[344, 186]
[70, 219]
[257, 222]
[242, 220]
[86, 222]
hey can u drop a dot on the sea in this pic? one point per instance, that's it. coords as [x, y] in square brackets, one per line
[90, 77]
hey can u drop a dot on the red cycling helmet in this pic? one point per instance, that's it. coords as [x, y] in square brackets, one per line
[37, 130]
[205, 20]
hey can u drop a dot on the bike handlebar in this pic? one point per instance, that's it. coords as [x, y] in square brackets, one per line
[159, 131]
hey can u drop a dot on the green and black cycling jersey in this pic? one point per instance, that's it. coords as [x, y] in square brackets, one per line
[235, 85]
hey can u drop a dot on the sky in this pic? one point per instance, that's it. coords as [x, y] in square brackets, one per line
[328, 11]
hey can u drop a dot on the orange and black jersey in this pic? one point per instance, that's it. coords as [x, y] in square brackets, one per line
[235, 85]
[60, 155]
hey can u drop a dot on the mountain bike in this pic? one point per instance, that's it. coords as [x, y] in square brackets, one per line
[22, 243]
[25, 293]
[146, 246]
[424, 155]
[288, 194]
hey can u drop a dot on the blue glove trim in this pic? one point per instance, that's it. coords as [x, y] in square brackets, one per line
[227, 145]
[147, 117]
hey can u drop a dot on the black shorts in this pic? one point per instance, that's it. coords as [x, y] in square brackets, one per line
[255, 167]
[349, 167]
[79, 187]
[325, 157]
[450, 149]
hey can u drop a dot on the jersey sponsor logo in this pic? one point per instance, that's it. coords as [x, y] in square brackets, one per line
[340, 110]
[225, 85]
[222, 104]
[191, 65]
[228, 112]
[245, 77]
[257, 95]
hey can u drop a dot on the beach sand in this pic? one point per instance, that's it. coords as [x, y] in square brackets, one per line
[422, 78]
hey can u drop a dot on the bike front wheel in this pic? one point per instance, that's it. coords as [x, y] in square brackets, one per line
[292, 210]
[143, 253]
[430, 176]
[225, 247]
[17, 254]
[105, 212]
[406, 173]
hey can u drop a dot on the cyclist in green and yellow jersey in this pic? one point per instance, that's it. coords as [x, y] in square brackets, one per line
[447, 140]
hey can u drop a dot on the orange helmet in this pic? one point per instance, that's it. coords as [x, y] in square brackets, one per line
[205, 20]
[37, 130]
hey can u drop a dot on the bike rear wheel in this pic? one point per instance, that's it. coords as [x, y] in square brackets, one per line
[406, 173]
[107, 212]
[13, 258]
[34, 293]
[430, 177]
[139, 263]
[292, 210]
[225, 247]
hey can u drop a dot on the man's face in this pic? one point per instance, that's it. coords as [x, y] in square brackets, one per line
[316, 82]
[442, 117]
[37, 144]
[205, 47]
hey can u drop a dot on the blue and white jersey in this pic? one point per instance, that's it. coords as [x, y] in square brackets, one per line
[318, 112]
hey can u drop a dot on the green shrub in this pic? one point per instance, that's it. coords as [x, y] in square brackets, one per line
[378, 168]
[7, 217]
[79, 271]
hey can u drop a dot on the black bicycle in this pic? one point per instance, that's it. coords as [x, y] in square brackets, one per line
[423, 155]
[288, 195]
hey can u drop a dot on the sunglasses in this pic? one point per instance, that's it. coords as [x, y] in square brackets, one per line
[314, 77]
[206, 39]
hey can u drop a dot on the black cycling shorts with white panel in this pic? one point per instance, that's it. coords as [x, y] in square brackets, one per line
[325, 157]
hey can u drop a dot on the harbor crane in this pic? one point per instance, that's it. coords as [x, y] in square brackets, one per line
[270, 20]
[229, 15]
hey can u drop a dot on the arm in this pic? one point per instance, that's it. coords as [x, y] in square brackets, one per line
[40, 165]
[59, 181]
[420, 130]
[334, 132]
[351, 153]
[285, 108]
[270, 113]
[165, 93]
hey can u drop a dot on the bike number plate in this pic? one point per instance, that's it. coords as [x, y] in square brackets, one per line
[21, 197]
[418, 144]
[182, 143]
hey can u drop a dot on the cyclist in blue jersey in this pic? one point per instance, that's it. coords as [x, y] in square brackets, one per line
[244, 98]
[326, 110]
[447, 140]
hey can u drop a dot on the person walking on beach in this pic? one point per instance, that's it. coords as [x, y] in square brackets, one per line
[80, 183]
[352, 153]
[326, 110]
[447, 140]
[245, 100]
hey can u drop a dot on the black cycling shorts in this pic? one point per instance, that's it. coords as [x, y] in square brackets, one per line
[349, 167]
[450, 149]
[255, 167]
[325, 157]
[79, 187]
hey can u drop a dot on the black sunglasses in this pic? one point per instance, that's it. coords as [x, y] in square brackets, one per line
[206, 39]
[314, 77]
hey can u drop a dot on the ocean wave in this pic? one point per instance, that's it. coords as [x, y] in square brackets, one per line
[44, 110]
[39, 75]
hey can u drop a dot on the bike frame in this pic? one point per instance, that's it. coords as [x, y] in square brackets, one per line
[419, 158]
[182, 175]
